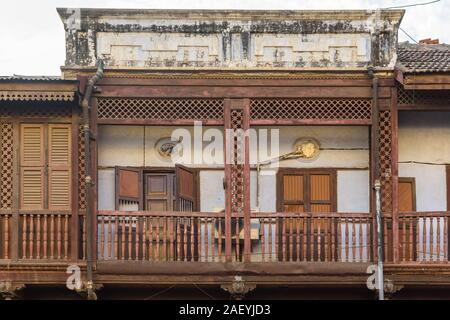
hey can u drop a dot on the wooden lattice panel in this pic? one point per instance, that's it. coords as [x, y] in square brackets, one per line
[307, 108]
[36, 109]
[160, 109]
[81, 171]
[237, 169]
[385, 137]
[417, 97]
[7, 165]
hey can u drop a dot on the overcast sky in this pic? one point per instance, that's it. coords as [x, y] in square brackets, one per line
[32, 35]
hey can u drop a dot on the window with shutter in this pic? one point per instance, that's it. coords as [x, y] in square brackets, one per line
[42, 173]
[128, 188]
[32, 166]
[186, 190]
[306, 190]
[59, 161]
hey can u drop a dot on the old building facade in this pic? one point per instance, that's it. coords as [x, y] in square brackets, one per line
[329, 103]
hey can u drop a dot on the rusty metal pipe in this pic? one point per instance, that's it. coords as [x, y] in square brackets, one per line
[85, 105]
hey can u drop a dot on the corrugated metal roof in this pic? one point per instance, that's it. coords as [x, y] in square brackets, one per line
[416, 58]
[30, 78]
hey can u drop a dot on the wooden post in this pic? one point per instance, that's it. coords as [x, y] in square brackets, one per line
[374, 171]
[74, 226]
[394, 174]
[227, 182]
[15, 221]
[247, 222]
[94, 175]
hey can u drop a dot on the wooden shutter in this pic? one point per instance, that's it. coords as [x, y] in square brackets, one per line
[59, 166]
[160, 191]
[32, 166]
[406, 195]
[129, 186]
[320, 192]
[186, 188]
[293, 193]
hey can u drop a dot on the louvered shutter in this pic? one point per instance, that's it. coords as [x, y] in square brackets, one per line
[32, 166]
[320, 193]
[186, 188]
[59, 167]
[129, 187]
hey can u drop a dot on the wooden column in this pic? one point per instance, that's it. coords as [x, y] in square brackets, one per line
[394, 174]
[74, 227]
[237, 171]
[94, 174]
[15, 222]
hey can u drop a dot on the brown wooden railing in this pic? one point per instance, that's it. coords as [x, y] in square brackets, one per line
[5, 235]
[194, 236]
[44, 235]
[423, 237]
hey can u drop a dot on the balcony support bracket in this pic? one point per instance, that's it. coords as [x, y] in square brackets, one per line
[238, 288]
[10, 290]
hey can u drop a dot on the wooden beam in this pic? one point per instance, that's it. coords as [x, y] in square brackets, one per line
[74, 227]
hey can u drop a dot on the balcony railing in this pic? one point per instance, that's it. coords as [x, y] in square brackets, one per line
[194, 236]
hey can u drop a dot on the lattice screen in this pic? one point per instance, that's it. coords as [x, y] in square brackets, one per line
[81, 171]
[237, 169]
[310, 108]
[160, 109]
[385, 137]
[417, 97]
[6, 165]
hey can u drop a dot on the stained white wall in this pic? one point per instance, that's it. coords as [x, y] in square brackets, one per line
[425, 137]
[134, 146]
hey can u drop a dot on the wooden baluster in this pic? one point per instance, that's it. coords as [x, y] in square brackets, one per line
[45, 217]
[102, 237]
[122, 253]
[6, 248]
[38, 236]
[164, 238]
[185, 240]
[283, 235]
[438, 238]
[386, 246]
[411, 238]
[431, 239]
[130, 238]
[137, 239]
[333, 242]
[416, 222]
[361, 240]
[445, 238]
[171, 226]
[52, 236]
[31, 237]
[150, 240]
[206, 240]
[319, 239]
[220, 239]
[192, 238]
[199, 239]
[326, 242]
[263, 243]
[291, 238]
[158, 238]
[178, 241]
[24, 236]
[424, 239]
[347, 240]
[276, 237]
[213, 238]
[270, 240]
[66, 235]
[305, 238]
[298, 238]
[59, 238]
[403, 243]
[116, 237]
[353, 244]
[312, 230]
[109, 239]
[339, 243]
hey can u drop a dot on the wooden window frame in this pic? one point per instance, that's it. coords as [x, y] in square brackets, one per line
[306, 172]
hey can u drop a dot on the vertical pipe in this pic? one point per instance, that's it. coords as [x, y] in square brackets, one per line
[380, 240]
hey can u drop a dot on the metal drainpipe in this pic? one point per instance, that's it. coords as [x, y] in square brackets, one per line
[377, 187]
[85, 105]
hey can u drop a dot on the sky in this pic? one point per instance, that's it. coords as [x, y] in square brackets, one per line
[32, 34]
